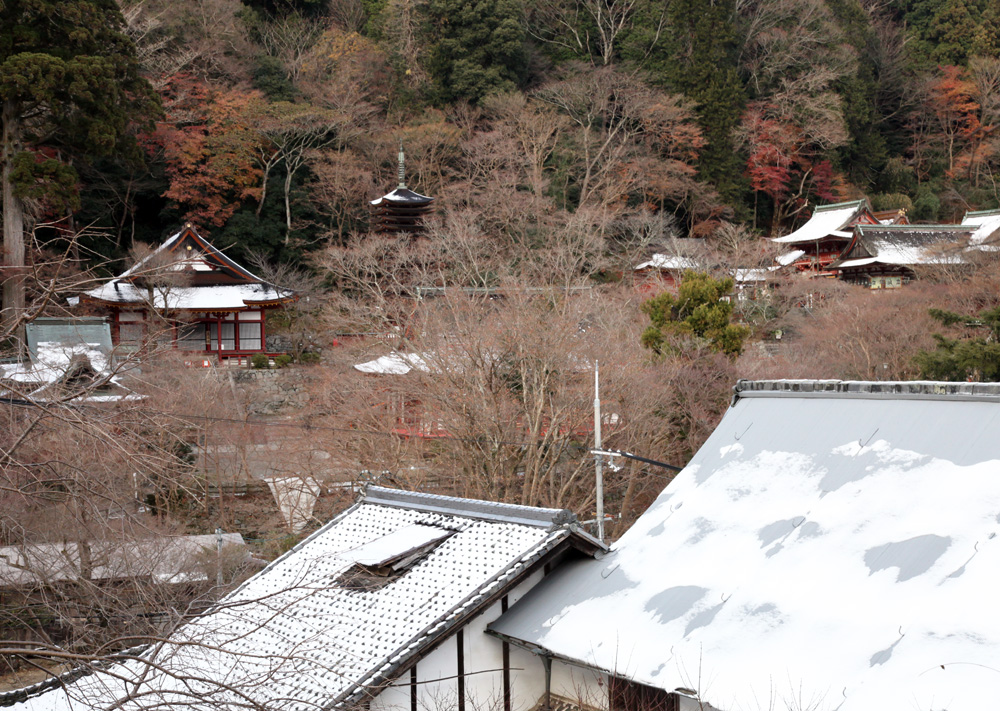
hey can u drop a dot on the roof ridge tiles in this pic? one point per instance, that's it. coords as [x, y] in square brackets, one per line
[470, 508]
[924, 389]
[916, 228]
[840, 205]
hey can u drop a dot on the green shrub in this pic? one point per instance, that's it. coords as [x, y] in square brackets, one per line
[259, 361]
[891, 201]
[282, 360]
[926, 207]
[309, 357]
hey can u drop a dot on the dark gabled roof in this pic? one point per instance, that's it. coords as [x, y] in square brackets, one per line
[906, 245]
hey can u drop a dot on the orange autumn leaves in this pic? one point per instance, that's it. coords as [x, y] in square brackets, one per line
[211, 145]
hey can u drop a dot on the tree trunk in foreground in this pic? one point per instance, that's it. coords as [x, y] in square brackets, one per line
[13, 230]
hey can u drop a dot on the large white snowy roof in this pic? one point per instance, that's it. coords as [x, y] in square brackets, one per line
[669, 261]
[315, 629]
[831, 546]
[987, 224]
[826, 220]
[909, 245]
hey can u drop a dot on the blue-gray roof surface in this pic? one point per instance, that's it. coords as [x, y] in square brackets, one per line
[834, 543]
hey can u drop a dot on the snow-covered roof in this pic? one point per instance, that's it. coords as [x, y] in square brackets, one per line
[62, 368]
[395, 364]
[743, 275]
[669, 261]
[223, 297]
[831, 542]
[986, 224]
[164, 558]
[908, 245]
[403, 195]
[215, 283]
[341, 612]
[826, 220]
[788, 257]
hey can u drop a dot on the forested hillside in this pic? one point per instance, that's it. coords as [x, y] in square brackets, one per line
[270, 123]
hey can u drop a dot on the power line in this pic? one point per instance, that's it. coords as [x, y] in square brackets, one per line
[18, 402]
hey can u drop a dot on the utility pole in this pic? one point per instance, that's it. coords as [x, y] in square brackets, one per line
[218, 557]
[598, 459]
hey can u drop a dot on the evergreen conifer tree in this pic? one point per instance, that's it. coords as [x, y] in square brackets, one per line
[69, 85]
[476, 47]
[704, 67]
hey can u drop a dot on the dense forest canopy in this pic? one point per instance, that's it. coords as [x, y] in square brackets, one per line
[281, 118]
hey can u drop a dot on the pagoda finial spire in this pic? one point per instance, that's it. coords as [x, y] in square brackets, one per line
[402, 167]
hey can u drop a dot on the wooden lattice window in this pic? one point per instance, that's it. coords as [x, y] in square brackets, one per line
[625, 695]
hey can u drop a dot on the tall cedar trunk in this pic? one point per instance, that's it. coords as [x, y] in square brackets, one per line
[13, 229]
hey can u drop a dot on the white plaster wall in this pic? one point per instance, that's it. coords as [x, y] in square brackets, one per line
[584, 686]
[437, 672]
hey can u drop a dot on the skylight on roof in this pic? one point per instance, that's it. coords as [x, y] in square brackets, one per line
[379, 562]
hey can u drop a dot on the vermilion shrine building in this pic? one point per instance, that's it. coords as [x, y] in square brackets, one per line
[189, 296]
[823, 239]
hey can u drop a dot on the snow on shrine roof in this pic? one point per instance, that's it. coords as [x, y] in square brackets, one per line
[987, 224]
[395, 364]
[198, 257]
[55, 363]
[403, 195]
[789, 257]
[669, 261]
[825, 221]
[317, 629]
[835, 542]
[222, 297]
[908, 245]
[742, 275]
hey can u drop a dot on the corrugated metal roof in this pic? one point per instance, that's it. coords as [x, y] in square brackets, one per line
[833, 542]
[311, 631]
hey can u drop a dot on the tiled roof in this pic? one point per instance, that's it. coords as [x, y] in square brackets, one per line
[319, 627]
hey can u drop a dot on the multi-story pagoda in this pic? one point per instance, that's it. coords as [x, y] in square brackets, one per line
[402, 210]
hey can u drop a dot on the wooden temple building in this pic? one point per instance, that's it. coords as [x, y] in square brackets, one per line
[888, 256]
[401, 210]
[188, 296]
[823, 239]
[986, 228]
